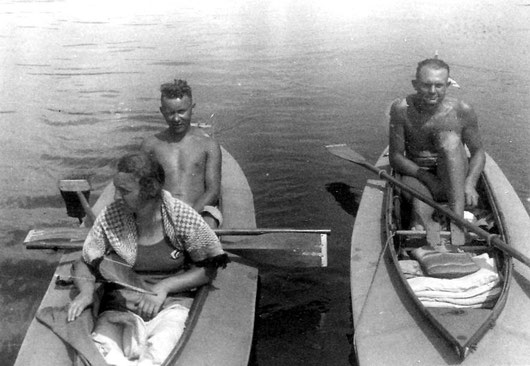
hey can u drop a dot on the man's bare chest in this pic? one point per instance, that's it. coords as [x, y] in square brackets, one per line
[422, 126]
[183, 159]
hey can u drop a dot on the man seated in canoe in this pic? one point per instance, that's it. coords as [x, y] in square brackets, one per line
[190, 158]
[428, 135]
[167, 244]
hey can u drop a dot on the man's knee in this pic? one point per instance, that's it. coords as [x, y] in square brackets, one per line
[415, 184]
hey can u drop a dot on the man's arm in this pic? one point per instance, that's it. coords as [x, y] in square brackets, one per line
[398, 161]
[471, 137]
[212, 177]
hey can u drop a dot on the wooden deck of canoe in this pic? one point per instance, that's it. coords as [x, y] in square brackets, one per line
[222, 334]
[387, 329]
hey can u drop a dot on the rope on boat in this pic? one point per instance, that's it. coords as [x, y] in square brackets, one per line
[383, 250]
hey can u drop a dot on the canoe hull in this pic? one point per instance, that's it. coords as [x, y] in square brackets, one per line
[227, 325]
[462, 327]
[389, 329]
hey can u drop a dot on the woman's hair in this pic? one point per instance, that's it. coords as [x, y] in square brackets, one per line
[149, 172]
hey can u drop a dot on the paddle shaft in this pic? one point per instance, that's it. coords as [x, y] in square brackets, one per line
[221, 232]
[309, 244]
[90, 214]
[80, 233]
[491, 238]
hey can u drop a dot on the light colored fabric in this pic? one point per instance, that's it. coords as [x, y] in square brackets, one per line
[214, 212]
[472, 301]
[489, 288]
[124, 339]
[477, 290]
[115, 229]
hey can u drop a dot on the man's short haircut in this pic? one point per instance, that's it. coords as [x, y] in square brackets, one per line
[149, 171]
[176, 89]
[435, 63]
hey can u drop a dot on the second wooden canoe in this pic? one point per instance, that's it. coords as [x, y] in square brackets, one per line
[221, 322]
[388, 328]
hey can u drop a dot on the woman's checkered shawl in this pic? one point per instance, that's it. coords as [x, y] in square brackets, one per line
[115, 230]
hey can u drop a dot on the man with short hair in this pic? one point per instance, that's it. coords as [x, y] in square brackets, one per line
[428, 132]
[191, 159]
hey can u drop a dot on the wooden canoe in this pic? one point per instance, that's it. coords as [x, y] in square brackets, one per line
[465, 323]
[392, 326]
[221, 322]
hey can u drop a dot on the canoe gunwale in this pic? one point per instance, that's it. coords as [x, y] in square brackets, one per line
[505, 271]
[193, 316]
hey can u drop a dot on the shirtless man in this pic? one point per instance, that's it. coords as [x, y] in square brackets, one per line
[427, 136]
[191, 159]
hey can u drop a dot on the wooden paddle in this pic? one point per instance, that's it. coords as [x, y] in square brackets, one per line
[310, 245]
[78, 186]
[345, 152]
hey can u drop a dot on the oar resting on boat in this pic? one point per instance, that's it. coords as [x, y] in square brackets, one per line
[345, 152]
[297, 247]
[307, 246]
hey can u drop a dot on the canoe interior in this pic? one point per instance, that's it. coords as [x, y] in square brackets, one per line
[461, 327]
[221, 321]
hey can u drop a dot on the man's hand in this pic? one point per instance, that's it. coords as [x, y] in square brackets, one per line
[80, 303]
[471, 195]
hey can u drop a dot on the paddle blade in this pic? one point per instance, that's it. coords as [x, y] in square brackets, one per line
[282, 249]
[76, 193]
[345, 152]
[114, 270]
[56, 234]
[74, 185]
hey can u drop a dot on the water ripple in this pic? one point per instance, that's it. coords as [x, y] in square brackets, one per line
[27, 202]
[91, 162]
[85, 73]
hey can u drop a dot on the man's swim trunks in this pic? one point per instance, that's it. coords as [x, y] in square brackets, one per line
[214, 212]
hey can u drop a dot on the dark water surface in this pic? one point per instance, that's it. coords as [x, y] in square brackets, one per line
[277, 80]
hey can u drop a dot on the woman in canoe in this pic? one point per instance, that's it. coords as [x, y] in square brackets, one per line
[167, 243]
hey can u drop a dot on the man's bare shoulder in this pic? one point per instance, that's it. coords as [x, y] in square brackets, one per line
[398, 109]
[201, 137]
[464, 110]
[150, 142]
[456, 104]
[399, 104]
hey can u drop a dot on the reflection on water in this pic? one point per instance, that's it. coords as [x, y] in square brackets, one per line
[277, 81]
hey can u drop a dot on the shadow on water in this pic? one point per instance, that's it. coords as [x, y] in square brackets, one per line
[291, 302]
[273, 321]
[344, 195]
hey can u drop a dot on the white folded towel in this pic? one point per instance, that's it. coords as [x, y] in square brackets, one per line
[476, 290]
